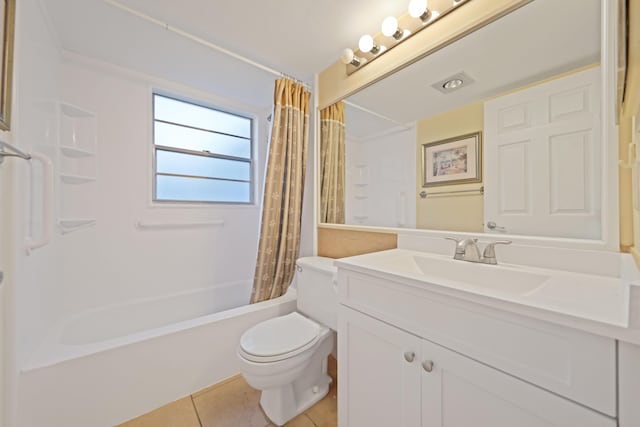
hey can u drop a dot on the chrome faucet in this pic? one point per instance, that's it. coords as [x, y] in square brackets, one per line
[467, 250]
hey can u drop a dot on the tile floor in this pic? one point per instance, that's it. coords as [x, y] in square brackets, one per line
[232, 403]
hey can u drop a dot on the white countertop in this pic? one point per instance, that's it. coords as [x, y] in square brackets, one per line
[598, 303]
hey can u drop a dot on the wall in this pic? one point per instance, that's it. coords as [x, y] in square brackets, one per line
[342, 242]
[34, 288]
[30, 299]
[116, 261]
[380, 180]
[462, 212]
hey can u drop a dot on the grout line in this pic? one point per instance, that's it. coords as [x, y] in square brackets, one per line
[311, 419]
[195, 408]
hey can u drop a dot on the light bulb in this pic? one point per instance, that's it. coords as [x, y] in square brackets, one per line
[389, 26]
[366, 43]
[417, 8]
[452, 84]
[349, 58]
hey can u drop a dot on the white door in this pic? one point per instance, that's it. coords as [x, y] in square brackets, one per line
[379, 373]
[460, 392]
[542, 153]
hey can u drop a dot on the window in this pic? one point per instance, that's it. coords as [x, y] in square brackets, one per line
[201, 154]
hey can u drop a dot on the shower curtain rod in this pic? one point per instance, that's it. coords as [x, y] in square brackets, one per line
[373, 113]
[203, 42]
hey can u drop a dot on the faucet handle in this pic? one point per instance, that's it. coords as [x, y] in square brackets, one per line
[459, 247]
[489, 254]
[459, 253]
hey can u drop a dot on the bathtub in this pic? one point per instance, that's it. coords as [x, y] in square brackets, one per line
[105, 366]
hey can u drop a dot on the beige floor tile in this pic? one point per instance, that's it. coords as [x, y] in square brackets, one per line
[233, 404]
[325, 412]
[301, 420]
[180, 413]
[216, 385]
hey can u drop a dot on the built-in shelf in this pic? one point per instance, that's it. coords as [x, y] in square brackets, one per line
[73, 111]
[76, 179]
[71, 225]
[75, 152]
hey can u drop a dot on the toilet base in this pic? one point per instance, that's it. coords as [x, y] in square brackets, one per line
[283, 403]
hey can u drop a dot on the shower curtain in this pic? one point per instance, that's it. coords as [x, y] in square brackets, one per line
[283, 192]
[332, 164]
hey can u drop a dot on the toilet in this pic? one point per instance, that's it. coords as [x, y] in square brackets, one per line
[286, 357]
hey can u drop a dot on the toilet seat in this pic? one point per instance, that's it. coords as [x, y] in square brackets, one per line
[279, 338]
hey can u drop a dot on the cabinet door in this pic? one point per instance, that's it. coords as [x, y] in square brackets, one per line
[460, 392]
[379, 369]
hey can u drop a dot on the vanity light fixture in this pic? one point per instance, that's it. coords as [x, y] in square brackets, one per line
[419, 9]
[366, 44]
[421, 14]
[348, 57]
[390, 28]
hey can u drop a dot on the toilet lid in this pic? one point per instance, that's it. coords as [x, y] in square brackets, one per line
[279, 336]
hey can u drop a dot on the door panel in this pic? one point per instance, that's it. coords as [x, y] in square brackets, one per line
[542, 149]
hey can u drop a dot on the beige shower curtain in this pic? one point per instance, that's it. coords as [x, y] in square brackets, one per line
[332, 164]
[283, 192]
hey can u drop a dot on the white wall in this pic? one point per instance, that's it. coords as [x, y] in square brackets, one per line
[34, 288]
[380, 180]
[115, 261]
[29, 297]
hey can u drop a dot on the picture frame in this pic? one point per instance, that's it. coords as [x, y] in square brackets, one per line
[451, 161]
[7, 20]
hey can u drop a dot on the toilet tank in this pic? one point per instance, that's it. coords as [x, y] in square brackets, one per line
[317, 290]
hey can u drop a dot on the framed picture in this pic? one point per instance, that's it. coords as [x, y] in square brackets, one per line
[7, 21]
[455, 160]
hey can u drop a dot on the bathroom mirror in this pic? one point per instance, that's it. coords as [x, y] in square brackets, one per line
[388, 122]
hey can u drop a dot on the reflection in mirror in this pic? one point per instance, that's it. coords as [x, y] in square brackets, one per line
[530, 87]
[332, 164]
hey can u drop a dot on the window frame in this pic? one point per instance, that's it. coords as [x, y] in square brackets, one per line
[154, 147]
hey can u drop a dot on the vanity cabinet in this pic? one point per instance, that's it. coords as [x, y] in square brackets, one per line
[408, 357]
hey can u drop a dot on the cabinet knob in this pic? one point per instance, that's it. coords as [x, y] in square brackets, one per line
[409, 356]
[427, 365]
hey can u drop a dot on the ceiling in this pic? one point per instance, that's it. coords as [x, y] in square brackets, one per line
[537, 41]
[297, 37]
[303, 37]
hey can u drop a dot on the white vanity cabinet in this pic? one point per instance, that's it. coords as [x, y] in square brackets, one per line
[409, 357]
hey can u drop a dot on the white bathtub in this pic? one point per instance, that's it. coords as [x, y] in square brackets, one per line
[105, 366]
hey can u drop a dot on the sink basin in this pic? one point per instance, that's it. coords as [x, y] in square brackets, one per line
[604, 298]
[470, 276]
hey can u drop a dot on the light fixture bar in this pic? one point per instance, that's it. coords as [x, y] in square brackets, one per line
[421, 14]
